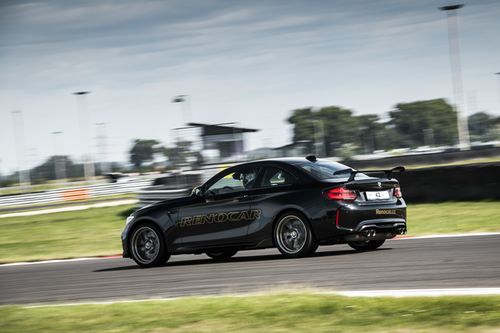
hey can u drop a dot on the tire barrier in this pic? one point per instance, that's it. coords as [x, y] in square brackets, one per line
[451, 183]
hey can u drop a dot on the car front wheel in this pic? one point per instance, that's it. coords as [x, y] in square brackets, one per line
[293, 236]
[147, 246]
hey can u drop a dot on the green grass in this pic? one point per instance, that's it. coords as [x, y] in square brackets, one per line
[453, 217]
[271, 313]
[62, 235]
[97, 231]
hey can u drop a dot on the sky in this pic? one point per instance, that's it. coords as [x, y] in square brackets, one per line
[249, 62]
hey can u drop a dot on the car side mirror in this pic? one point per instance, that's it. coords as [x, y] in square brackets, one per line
[198, 192]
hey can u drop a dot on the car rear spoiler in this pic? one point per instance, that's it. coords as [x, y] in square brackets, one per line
[387, 173]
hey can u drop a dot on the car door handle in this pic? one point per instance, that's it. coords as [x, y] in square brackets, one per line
[242, 197]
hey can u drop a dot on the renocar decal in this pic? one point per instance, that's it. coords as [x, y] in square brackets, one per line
[385, 211]
[234, 216]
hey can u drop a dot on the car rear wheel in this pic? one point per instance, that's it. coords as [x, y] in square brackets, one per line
[293, 236]
[366, 245]
[147, 246]
[221, 255]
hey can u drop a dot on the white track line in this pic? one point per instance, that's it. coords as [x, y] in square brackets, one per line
[421, 292]
[482, 234]
[347, 293]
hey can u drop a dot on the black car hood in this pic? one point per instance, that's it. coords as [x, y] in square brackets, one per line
[167, 204]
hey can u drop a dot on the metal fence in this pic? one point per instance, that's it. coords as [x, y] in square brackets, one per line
[74, 193]
[135, 185]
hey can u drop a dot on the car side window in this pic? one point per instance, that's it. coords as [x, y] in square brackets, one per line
[236, 181]
[274, 177]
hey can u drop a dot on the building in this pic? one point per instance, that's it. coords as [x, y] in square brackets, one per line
[220, 142]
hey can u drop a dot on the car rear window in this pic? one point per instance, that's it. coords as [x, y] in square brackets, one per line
[276, 177]
[325, 169]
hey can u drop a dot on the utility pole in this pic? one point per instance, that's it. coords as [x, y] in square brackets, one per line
[102, 147]
[24, 175]
[319, 138]
[88, 164]
[59, 158]
[456, 74]
[498, 76]
[184, 100]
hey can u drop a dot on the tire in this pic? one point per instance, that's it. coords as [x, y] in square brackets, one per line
[293, 236]
[147, 246]
[221, 255]
[367, 245]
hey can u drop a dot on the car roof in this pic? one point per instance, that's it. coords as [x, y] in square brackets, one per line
[279, 160]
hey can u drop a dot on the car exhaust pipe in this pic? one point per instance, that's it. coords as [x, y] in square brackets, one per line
[369, 233]
[401, 231]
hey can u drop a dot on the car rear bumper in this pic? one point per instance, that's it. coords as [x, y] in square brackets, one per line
[382, 225]
[355, 218]
[377, 229]
[353, 222]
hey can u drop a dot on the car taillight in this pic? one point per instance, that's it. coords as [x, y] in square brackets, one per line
[341, 193]
[397, 192]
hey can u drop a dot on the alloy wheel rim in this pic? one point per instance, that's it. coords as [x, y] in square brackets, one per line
[145, 245]
[291, 234]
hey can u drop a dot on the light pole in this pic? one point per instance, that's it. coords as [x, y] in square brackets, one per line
[456, 74]
[319, 137]
[185, 107]
[24, 175]
[102, 147]
[88, 165]
[59, 162]
[498, 76]
[318, 134]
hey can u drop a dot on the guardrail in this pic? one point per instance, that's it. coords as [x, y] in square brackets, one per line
[74, 193]
[83, 192]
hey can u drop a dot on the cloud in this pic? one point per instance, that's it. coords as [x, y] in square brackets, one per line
[239, 60]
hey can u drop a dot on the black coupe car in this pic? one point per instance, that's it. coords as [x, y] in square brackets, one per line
[294, 204]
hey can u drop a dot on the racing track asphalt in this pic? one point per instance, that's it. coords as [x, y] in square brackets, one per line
[457, 262]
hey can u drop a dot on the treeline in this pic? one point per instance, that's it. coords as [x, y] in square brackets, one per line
[336, 130]
[71, 171]
[144, 152]
[409, 125]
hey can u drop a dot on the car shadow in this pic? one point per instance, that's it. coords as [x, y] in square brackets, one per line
[208, 261]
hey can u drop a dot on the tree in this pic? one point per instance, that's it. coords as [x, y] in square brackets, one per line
[425, 123]
[46, 170]
[182, 155]
[371, 133]
[332, 125]
[482, 126]
[142, 151]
